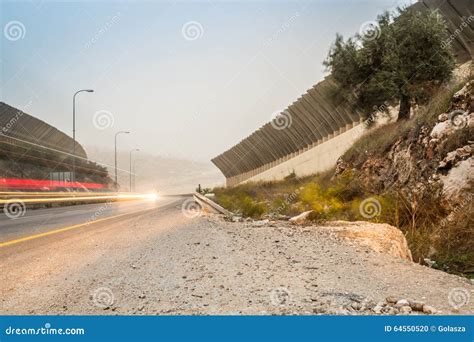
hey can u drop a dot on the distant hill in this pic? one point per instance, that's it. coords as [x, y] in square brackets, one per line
[165, 174]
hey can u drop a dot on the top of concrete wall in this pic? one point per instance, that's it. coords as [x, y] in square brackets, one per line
[459, 16]
[312, 117]
[316, 115]
[17, 124]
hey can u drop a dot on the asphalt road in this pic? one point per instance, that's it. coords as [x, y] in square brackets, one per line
[38, 221]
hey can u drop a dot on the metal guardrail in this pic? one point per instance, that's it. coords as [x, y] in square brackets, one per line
[208, 203]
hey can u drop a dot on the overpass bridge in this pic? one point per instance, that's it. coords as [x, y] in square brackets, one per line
[33, 152]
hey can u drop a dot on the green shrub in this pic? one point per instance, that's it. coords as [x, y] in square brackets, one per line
[251, 208]
[346, 187]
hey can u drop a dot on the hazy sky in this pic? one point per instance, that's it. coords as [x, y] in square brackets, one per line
[189, 79]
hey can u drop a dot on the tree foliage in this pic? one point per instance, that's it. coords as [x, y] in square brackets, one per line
[398, 59]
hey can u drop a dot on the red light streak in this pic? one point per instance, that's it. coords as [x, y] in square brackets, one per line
[16, 183]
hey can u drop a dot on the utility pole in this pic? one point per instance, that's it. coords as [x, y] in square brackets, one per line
[74, 131]
[134, 150]
[120, 132]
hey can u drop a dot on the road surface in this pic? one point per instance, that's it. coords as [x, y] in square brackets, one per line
[39, 221]
[158, 261]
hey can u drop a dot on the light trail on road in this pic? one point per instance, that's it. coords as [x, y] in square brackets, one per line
[42, 222]
[114, 197]
[58, 193]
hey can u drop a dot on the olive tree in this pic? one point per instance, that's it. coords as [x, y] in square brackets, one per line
[397, 60]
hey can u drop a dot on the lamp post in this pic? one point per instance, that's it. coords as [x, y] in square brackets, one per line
[74, 130]
[120, 132]
[134, 150]
[134, 183]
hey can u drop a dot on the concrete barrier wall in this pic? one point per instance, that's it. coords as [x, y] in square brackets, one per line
[317, 159]
[317, 116]
[320, 125]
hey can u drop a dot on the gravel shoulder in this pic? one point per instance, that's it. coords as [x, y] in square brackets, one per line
[163, 262]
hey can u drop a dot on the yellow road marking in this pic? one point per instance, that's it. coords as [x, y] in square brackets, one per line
[75, 199]
[51, 232]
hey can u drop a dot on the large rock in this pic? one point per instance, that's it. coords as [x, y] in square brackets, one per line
[464, 94]
[301, 218]
[443, 117]
[457, 182]
[429, 310]
[382, 238]
[416, 305]
[470, 120]
[457, 119]
[449, 160]
[442, 129]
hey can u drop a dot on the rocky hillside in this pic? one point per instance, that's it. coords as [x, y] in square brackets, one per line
[427, 164]
[413, 174]
[425, 157]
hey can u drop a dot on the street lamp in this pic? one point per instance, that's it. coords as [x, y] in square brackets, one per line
[74, 130]
[134, 183]
[125, 132]
[134, 150]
